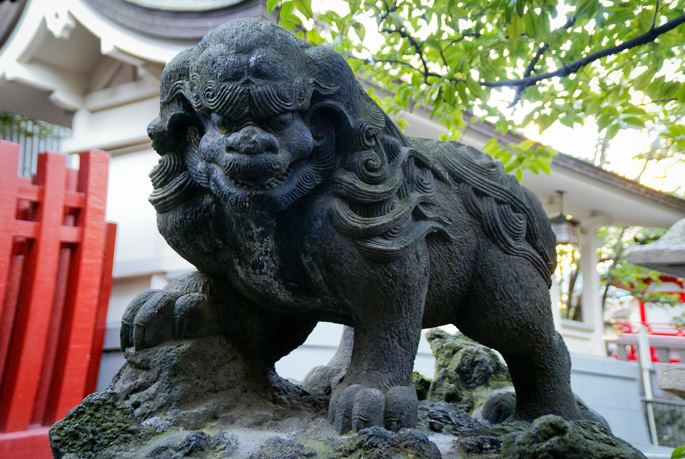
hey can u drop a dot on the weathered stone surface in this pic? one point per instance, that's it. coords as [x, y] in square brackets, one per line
[445, 418]
[666, 255]
[466, 372]
[422, 385]
[551, 437]
[379, 443]
[100, 422]
[548, 437]
[671, 378]
[499, 407]
[193, 382]
[243, 417]
[287, 449]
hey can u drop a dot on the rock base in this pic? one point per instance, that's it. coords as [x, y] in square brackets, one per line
[200, 399]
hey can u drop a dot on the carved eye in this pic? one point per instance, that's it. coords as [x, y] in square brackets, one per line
[223, 124]
[281, 122]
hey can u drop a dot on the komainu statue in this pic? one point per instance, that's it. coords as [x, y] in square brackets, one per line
[298, 201]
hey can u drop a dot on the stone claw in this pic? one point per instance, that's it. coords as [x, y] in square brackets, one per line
[157, 316]
[355, 408]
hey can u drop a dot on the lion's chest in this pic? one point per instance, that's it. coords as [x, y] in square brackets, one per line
[258, 259]
[267, 261]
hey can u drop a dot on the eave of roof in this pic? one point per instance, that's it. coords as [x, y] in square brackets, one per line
[611, 178]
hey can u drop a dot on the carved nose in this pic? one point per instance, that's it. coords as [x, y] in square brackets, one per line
[252, 141]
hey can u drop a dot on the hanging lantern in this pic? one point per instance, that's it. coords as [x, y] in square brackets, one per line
[565, 227]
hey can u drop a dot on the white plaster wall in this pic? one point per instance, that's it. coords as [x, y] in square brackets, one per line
[140, 248]
[612, 387]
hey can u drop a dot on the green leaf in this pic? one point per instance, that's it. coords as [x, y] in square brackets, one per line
[526, 144]
[271, 4]
[604, 120]
[287, 8]
[634, 121]
[544, 166]
[294, 19]
[515, 27]
[397, 19]
[433, 42]
[287, 24]
[531, 24]
[645, 78]
[586, 8]
[613, 130]
[567, 121]
[519, 174]
[678, 453]
[593, 106]
[520, 7]
[314, 37]
[360, 30]
[489, 145]
[305, 7]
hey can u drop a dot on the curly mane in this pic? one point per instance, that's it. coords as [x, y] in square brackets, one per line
[388, 201]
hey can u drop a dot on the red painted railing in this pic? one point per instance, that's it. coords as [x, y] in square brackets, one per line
[653, 328]
[56, 256]
[665, 341]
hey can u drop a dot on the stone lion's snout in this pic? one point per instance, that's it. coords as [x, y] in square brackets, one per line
[251, 140]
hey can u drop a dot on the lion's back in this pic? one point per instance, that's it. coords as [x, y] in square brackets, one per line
[510, 214]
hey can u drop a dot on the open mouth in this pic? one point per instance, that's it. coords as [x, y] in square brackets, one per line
[251, 183]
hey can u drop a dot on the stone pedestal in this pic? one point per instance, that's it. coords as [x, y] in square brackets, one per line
[202, 399]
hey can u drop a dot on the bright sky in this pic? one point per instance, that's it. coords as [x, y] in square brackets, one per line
[579, 142]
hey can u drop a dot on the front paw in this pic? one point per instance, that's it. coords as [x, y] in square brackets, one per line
[157, 316]
[357, 407]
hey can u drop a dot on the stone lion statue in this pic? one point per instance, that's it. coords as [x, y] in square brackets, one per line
[299, 201]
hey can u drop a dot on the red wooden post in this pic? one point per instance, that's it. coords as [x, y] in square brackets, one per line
[83, 290]
[22, 374]
[101, 322]
[10, 308]
[9, 165]
[56, 256]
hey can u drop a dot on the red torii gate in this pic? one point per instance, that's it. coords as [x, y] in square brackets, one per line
[56, 257]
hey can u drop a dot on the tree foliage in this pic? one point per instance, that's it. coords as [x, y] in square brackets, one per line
[617, 63]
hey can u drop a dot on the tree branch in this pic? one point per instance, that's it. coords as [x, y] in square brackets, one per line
[573, 67]
[531, 65]
[396, 63]
[404, 34]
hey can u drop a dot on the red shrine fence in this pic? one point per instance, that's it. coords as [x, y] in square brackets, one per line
[56, 256]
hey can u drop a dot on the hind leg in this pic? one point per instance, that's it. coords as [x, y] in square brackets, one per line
[325, 378]
[509, 310]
